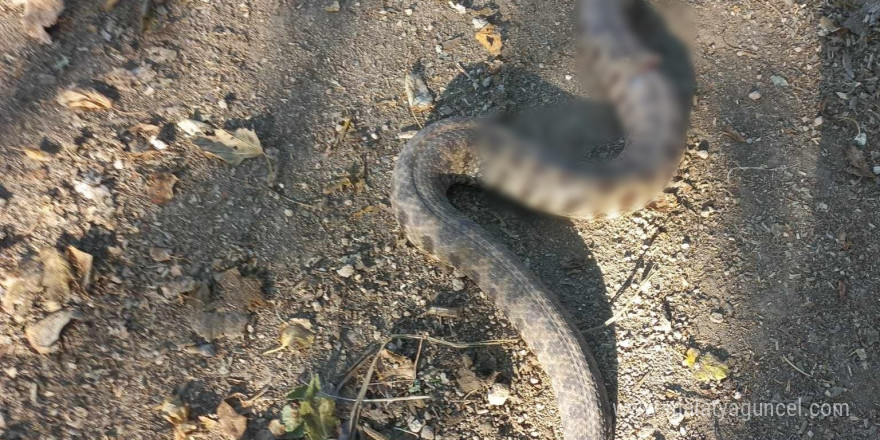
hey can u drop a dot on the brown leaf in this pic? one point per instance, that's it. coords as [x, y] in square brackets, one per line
[84, 99]
[858, 166]
[242, 292]
[841, 290]
[392, 366]
[82, 262]
[40, 14]
[232, 424]
[43, 334]
[490, 38]
[160, 187]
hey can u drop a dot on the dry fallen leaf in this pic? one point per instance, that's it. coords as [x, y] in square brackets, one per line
[240, 291]
[84, 99]
[296, 331]
[232, 424]
[490, 38]
[177, 413]
[231, 147]
[392, 366]
[37, 154]
[56, 278]
[82, 262]
[43, 334]
[38, 15]
[160, 187]
[857, 165]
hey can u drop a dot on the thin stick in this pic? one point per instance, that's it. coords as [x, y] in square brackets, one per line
[459, 345]
[415, 118]
[795, 367]
[416, 364]
[349, 427]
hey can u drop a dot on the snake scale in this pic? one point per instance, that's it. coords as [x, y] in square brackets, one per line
[473, 150]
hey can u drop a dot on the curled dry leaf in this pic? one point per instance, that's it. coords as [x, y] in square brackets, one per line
[160, 187]
[231, 147]
[232, 425]
[82, 263]
[56, 278]
[857, 165]
[490, 38]
[296, 331]
[84, 99]
[177, 413]
[240, 291]
[392, 366]
[417, 94]
[38, 15]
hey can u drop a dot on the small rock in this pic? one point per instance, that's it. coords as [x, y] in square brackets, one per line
[702, 154]
[862, 354]
[479, 22]
[415, 425]
[778, 81]
[457, 284]
[716, 317]
[676, 419]
[333, 6]
[498, 394]
[345, 271]
[45, 332]
[755, 95]
[428, 433]
[458, 7]
[861, 140]
[408, 12]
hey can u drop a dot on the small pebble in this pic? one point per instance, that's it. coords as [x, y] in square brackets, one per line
[755, 95]
[861, 140]
[479, 22]
[498, 394]
[457, 285]
[345, 271]
[428, 433]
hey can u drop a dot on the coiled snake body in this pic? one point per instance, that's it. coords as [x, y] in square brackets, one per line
[474, 150]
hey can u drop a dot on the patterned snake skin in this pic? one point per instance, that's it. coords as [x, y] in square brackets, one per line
[478, 151]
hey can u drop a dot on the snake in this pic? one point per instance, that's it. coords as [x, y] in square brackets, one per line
[476, 150]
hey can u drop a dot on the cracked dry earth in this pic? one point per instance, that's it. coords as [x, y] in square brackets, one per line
[762, 252]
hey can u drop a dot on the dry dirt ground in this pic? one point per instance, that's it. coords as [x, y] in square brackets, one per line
[763, 252]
